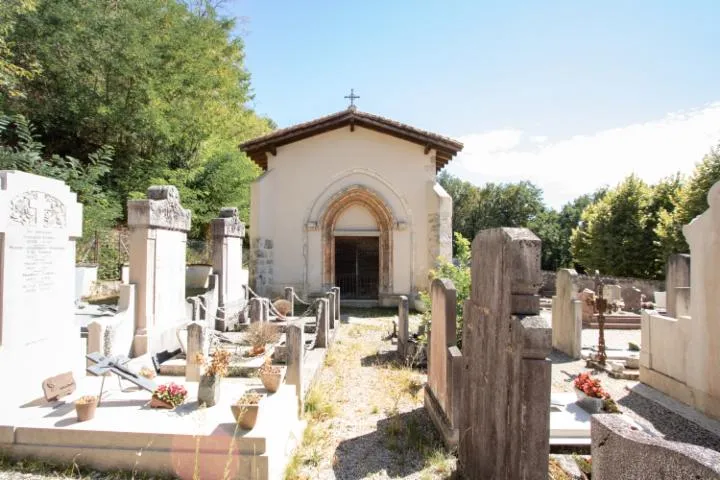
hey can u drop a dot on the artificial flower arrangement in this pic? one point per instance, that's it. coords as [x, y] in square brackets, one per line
[590, 386]
[168, 395]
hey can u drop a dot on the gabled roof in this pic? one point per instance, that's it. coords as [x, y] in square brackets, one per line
[258, 148]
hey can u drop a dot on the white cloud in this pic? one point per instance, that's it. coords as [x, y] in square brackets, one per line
[567, 168]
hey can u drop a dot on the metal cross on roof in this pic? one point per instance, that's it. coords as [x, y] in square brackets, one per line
[352, 97]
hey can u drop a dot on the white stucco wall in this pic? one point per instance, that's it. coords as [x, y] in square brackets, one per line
[303, 178]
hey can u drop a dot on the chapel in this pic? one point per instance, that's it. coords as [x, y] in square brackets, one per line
[350, 200]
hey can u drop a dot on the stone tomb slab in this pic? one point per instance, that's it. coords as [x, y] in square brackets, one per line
[569, 423]
[127, 434]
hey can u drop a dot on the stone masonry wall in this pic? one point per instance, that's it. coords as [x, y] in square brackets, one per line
[647, 287]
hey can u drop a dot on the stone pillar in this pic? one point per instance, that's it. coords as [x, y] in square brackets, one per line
[256, 310]
[505, 398]
[677, 276]
[295, 353]
[197, 342]
[337, 303]
[331, 306]
[403, 327]
[567, 314]
[227, 236]
[290, 297]
[323, 324]
[158, 240]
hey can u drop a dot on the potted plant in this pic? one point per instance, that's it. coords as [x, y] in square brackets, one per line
[209, 387]
[245, 410]
[259, 335]
[589, 393]
[85, 407]
[168, 395]
[271, 375]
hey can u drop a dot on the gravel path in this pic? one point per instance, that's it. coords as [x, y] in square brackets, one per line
[375, 425]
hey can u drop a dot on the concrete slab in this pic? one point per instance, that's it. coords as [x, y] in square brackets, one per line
[569, 423]
[127, 434]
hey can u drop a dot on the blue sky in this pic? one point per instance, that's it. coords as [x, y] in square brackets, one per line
[568, 94]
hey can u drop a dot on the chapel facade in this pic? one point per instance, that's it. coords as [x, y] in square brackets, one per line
[352, 200]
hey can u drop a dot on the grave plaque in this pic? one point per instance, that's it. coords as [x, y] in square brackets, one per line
[58, 386]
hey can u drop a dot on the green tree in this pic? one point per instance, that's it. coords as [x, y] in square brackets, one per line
[687, 201]
[614, 234]
[14, 65]
[162, 82]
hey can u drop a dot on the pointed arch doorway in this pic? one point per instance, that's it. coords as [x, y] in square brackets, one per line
[356, 237]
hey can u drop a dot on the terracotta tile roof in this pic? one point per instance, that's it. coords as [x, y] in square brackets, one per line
[258, 148]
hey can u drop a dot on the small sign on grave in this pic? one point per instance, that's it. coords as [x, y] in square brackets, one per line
[58, 386]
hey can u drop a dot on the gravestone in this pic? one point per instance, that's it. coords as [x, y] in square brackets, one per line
[323, 323]
[505, 399]
[677, 276]
[612, 293]
[403, 327]
[228, 233]
[256, 309]
[59, 386]
[40, 219]
[158, 241]
[587, 299]
[567, 314]
[442, 391]
[632, 297]
[197, 343]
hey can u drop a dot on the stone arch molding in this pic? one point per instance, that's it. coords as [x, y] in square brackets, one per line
[365, 178]
[384, 218]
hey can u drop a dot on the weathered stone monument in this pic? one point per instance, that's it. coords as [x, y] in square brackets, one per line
[228, 232]
[587, 302]
[40, 219]
[505, 399]
[442, 391]
[322, 318]
[567, 314]
[403, 327]
[613, 293]
[158, 240]
[632, 298]
[677, 277]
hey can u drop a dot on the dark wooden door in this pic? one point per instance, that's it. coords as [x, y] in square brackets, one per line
[357, 266]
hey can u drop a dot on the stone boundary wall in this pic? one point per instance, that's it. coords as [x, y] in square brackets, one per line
[622, 452]
[647, 287]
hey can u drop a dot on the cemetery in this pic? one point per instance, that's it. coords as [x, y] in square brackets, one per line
[192, 373]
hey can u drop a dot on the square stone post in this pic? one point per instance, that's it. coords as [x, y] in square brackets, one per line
[337, 303]
[505, 398]
[403, 327]
[256, 310]
[567, 314]
[332, 304]
[227, 236]
[323, 324]
[158, 240]
[197, 342]
[290, 297]
[677, 276]
[295, 357]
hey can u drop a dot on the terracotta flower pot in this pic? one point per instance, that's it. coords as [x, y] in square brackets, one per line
[245, 415]
[209, 390]
[272, 381]
[157, 403]
[589, 404]
[85, 411]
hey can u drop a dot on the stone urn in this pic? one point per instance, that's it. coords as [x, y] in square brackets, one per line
[246, 410]
[209, 390]
[197, 276]
[272, 377]
[589, 404]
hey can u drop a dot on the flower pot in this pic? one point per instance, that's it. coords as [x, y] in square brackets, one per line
[589, 404]
[85, 411]
[209, 390]
[157, 403]
[245, 415]
[272, 381]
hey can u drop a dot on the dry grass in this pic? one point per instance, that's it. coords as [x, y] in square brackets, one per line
[556, 472]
